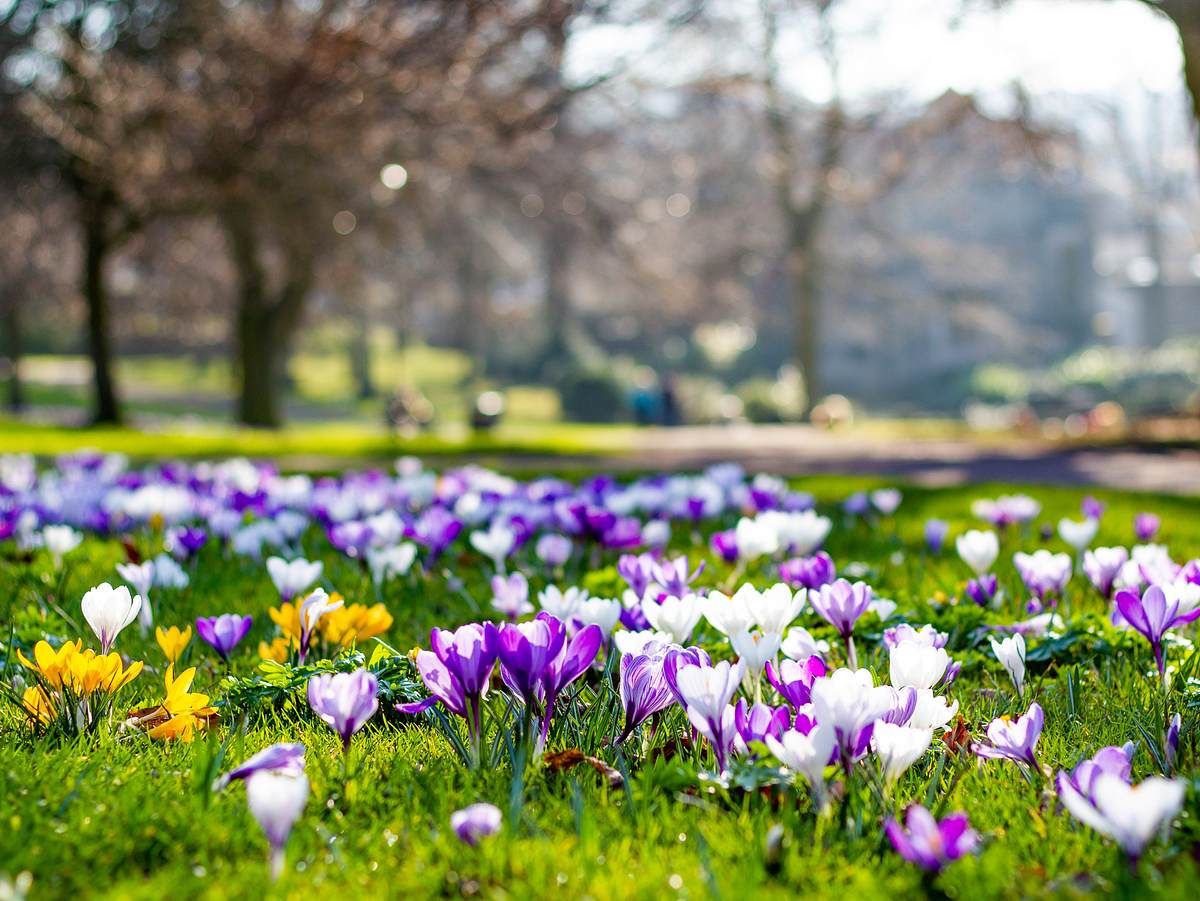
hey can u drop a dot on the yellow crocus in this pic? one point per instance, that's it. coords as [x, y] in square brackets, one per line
[287, 617]
[50, 664]
[187, 712]
[38, 705]
[355, 623]
[173, 641]
[90, 672]
[279, 649]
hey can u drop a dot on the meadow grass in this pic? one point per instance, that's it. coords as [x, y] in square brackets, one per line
[118, 815]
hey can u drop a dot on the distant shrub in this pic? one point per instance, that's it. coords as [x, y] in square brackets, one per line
[592, 395]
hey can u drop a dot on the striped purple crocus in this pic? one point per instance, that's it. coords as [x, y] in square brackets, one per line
[1153, 616]
[223, 632]
[644, 687]
[344, 701]
[930, 844]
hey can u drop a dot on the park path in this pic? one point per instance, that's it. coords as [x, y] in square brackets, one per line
[800, 450]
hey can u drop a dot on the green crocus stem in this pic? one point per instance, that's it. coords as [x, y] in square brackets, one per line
[278, 858]
[851, 655]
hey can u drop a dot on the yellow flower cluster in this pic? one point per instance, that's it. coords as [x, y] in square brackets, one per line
[180, 715]
[340, 628]
[74, 671]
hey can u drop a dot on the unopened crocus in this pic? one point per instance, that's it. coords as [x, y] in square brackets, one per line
[886, 500]
[344, 701]
[1102, 566]
[754, 648]
[675, 576]
[1011, 654]
[553, 549]
[644, 688]
[898, 747]
[1145, 526]
[277, 798]
[1014, 740]
[978, 549]
[1171, 742]
[476, 822]
[524, 651]
[293, 577]
[456, 671]
[223, 632]
[510, 596]
[575, 658]
[982, 590]
[108, 610]
[808, 572]
[637, 570]
[724, 545]
[312, 609]
[173, 641]
[929, 844]
[1044, 573]
[935, 534]
[284, 757]
[496, 543]
[1153, 616]
[1131, 815]
[841, 604]
[675, 659]
[1092, 508]
[706, 693]
[185, 542]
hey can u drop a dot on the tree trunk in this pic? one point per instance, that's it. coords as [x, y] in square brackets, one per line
[360, 357]
[1186, 16]
[556, 251]
[106, 408]
[12, 350]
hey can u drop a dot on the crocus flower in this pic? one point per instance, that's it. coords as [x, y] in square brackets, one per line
[849, 702]
[754, 648]
[886, 500]
[706, 693]
[1131, 815]
[390, 562]
[978, 549]
[281, 757]
[857, 504]
[724, 545]
[674, 576]
[456, 672]
[926, 635]
[1078, 534]
[572, 662]
[1171, 742]
[223, 632]
[799, 644]
[808, 572]
[929, 844]
[185, 541]
[1145, 526]
[553, 549]
[644, 688]
[108, 610]
[277, 798]
[755, 538]
[476, 822]
[675, 659]
[982, 590]
[1007, 510]
[344, 701]
[637, 570]
[898, 747]
[1011, 654]
[294, 577]
[312, 609]
[1153, 616]
[173, 641]
[524, 651]
[794, 681]
[755, 723]
[510, 596]
[1044, 573]
[1116, 760]
[805, 751]
[935, 534]
[841, 604]
[436, 528]
[1015, 741]
[495, 544]
[677, 616]
[1103, 565]
[914, 664]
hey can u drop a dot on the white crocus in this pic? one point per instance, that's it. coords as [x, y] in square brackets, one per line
[387, 563]
[805, 755]
[730, 614]
[293, 577]
[754, 648]
[60, 541]
[755, 538]
[141, 577]
[1078, 534]
[849, 701]
[1011, 654]
[495, 544]
[108, 610]
[899, 747]
[168, 573]
[675, 616]
[803, 532]
[602, 612]
[561, 604]
[627, 641]
[1131, 815]
[707, 691]
[800, 645]
[917, 665]
[978, 549]
[775, 608]
[931, 711]
[315, 606]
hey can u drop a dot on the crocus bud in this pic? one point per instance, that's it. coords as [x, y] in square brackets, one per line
[108, 610]
[276, 799]
[476, 822]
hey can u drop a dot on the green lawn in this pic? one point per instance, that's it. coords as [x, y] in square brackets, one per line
[122, 816]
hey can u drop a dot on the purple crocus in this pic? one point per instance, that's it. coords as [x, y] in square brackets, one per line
[755, 722]
[524, 651]
[1015, 741]
[982, 590]
[857, 504]
[1103, 565]
[1116, 760]
[1092, 508]
[476, 822]
[929, 844]
[808, 572]
[436, 528]
[675, 576]
[344, 701]
[572, 662]
[724, 545]
[1153, 617]
[510, 596]
[1171, 742]
[637, 570]
[456, 671]
[186, 541]
[1145, 526]
[794, 681]
[280, 757]
[935, 534]
[223, 632]
[644, 688]
[677, 658]
[841, 604]
[553, 549]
